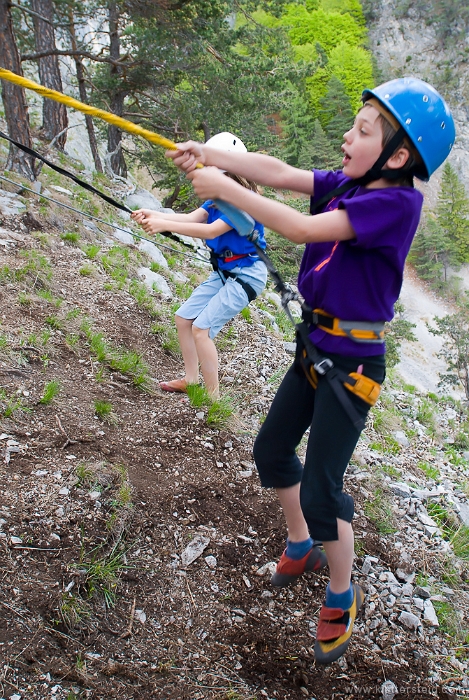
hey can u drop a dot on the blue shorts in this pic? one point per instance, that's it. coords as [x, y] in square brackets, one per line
[212, 304]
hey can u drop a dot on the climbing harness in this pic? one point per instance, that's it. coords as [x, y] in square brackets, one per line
[315, 365]
[358, 331]
[228, 256]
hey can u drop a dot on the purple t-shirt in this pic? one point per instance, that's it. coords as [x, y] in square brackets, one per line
[359, 279]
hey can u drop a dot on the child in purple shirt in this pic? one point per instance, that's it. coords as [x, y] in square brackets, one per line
[365, 217]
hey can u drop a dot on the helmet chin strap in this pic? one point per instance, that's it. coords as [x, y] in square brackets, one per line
[376, 172]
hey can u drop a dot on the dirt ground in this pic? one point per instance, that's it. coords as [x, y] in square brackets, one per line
[95, 599]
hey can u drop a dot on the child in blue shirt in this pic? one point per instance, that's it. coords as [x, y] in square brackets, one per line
[238, 277]
[365, 217]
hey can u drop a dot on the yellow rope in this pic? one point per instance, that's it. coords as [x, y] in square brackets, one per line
[123, 124]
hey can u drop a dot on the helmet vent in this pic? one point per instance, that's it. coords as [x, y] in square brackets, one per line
[408, 121]
[419, 138]
[443, 125]
[425, 98]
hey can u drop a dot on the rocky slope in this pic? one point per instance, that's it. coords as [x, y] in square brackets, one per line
[135, 541]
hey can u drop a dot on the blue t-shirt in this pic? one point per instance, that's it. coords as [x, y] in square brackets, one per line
[231, 241]
[359, 279]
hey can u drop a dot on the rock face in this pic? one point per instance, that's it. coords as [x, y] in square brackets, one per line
[408, 46]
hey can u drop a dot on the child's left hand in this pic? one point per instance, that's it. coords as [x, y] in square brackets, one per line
[152, 222]
[208, 182]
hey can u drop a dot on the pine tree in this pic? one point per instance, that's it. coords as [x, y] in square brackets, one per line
[335, 114]
[433, 252]
[452, 212]
[297, 127]
[319, 152]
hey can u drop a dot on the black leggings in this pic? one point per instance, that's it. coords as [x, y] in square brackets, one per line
[332, 440]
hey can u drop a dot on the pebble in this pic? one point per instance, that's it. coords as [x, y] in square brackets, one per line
[389, 690]
[409, 620]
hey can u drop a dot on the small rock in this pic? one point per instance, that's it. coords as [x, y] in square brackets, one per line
[211, 562]
[401, 438]
[429, 614]
[94, 495]
[62, 190]
[400, 489]
[16, 540]
[194, 549]
[140, 616]
[268, 568]
[388, 690]
[409, 620]
[64, 491]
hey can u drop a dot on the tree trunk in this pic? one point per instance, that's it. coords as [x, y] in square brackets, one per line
[14, 99]
[83, 96]
[54, 115]
[114, 147]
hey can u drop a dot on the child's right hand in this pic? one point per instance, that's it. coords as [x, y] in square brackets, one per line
[187, 156]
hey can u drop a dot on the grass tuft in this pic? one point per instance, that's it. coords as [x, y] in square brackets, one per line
[51, 390]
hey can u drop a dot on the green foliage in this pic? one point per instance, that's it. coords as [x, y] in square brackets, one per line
[120, 359]
[167, 336]
[285, 255]
[220, 412]
[335, 113]
[455, 351]
[379, 511]
[326, 28]
[432, 253]
[429, 470]
[70, 237]
[91, 251]
[86, 270]
[104, 411]
[51, 390]
[396, 331]
[452, 212]
[321, 153]
[101, 573]
[10, 404]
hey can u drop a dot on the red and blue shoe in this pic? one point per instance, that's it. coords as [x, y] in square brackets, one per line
[335, 629]
[289, 570]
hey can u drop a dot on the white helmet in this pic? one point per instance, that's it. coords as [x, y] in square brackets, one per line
[226, 142]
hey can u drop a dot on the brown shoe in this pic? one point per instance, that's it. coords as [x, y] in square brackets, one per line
[176, 385]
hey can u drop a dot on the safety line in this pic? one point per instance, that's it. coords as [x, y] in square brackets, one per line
[102, 221]
[67, 173]
[110, 200]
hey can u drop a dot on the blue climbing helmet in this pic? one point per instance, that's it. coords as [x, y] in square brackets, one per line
[423, 115]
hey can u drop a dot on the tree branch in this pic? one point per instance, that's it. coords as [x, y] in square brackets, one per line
[83, 54]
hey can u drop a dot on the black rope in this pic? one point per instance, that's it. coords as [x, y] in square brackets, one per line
[102, 221]
[110, 200]
[280, 286]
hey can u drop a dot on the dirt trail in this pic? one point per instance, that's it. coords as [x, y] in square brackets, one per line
[420, 364]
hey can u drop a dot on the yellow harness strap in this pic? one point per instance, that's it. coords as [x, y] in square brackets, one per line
[365, 388]
[359, 331]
